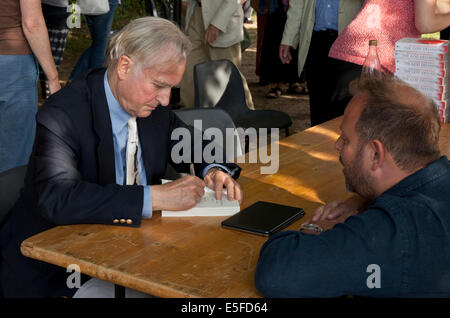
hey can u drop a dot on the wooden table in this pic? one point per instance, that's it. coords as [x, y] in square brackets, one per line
[195, 257]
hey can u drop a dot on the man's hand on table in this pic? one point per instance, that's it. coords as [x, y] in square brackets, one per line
[216, 179]
[333, 211]
[327, 216]
[178, 195]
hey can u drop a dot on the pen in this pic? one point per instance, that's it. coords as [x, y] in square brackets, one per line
[191, 169]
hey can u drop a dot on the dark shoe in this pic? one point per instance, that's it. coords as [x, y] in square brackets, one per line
[274, 92]
[297, 89]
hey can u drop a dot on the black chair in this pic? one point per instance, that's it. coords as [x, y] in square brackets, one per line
[218, 84]
[11, 182]
[210, 118]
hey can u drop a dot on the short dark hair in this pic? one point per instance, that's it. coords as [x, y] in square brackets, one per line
[405, 121]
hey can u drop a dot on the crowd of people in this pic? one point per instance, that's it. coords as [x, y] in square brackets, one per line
[303, 47]
[322, 42]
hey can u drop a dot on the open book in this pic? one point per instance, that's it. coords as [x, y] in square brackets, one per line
[208, 206]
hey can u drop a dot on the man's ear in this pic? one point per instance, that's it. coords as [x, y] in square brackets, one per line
[124, 67]
[377, 154]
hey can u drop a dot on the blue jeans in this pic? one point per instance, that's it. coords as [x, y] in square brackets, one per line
[94, 56]
[18, 107]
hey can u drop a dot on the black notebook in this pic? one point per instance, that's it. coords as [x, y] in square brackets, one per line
[263, 218]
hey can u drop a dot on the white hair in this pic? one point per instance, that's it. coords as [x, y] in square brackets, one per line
[149, 42]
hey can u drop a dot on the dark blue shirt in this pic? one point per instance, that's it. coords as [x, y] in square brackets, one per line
[404, 235]
[326, 12]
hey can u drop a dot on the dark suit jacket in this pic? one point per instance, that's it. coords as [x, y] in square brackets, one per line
[71, 179]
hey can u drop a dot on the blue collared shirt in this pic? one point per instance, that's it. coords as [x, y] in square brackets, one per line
[326, 15]
[119, 122]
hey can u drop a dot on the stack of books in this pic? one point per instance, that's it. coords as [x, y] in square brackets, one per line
[425, 65]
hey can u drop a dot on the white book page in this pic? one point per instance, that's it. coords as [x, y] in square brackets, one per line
[208, 206]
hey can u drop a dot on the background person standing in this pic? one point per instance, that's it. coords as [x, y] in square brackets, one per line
[55, 16]
[100, 28]
[23, 37]
[313, 26]
[215, 28]
[384, 21]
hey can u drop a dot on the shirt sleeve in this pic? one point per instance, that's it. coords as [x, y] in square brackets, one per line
[293, 23]
[222, 16]
[63, 195]
[147, 204]
[337, 262]
[206, 169]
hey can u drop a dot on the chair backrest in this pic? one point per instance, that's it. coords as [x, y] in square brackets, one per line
[214, 118]
[211, 118]
[11, 182]
[218, 84]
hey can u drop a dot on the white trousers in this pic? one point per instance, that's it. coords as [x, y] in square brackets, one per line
[97, 288]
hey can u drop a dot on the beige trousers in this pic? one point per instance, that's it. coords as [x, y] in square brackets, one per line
[203, 53]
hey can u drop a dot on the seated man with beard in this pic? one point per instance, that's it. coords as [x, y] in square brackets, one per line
[398, 244]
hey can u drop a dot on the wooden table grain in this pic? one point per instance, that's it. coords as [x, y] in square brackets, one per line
[196, 257]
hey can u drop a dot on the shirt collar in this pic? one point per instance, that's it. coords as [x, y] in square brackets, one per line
[119, 117]
[428, 174]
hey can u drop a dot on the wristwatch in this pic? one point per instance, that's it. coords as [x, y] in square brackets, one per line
[311, 227]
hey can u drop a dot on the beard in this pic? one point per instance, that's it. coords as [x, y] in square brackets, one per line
[356, 178]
